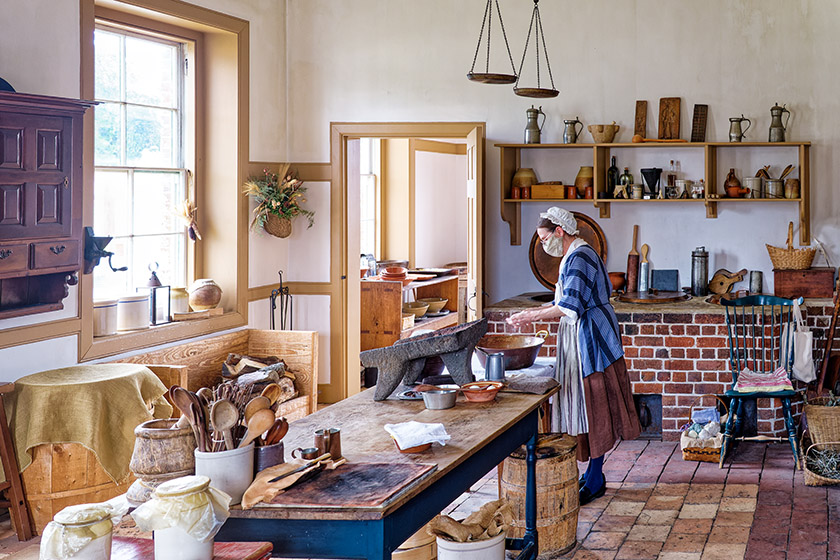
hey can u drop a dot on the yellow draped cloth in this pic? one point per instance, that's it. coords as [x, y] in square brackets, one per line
[96, 405]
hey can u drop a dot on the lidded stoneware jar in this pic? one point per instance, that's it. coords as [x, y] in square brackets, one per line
[204, 294]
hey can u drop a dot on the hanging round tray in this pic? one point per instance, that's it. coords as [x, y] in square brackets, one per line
[536, 92]
[546, 268]
[491, 78]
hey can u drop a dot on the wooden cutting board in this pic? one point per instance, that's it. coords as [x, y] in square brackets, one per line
[640, 122]
[669, 118]
[130, 548]
[354, 485]
[653, 297]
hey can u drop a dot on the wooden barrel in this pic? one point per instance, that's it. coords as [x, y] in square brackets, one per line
[557, 493]
[65, 474]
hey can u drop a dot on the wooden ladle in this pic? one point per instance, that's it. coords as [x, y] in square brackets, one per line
[637, 138]
[256, 404]
[259, 422]
[277, 431]
[223, 417]
[183, 399]
[272, 392]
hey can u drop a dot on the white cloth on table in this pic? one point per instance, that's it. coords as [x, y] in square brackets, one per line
[412, 434]
[542, 367]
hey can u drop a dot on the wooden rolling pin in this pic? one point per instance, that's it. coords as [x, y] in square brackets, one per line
[633, 264]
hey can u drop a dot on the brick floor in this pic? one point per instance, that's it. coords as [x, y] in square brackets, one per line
[658, 506]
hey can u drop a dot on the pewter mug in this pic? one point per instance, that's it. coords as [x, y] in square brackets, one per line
[571, 132]
[777, 129]
[532, 127]
[735, 132]
[495, 370]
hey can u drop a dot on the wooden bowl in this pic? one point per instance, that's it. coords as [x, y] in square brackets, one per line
[603, 133]
[415, 449]
[481, 391]
[419, 309]
[435, 303]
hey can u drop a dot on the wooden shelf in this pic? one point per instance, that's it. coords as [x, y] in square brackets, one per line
[511, 161]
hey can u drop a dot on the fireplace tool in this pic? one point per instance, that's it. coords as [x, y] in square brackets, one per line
[286, 313]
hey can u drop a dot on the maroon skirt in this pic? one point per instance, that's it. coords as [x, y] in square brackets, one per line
[610, 411]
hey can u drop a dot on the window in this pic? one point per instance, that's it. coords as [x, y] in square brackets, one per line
[369, 196]
[141, 155]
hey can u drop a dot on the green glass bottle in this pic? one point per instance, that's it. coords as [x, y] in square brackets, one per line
[612, 178]
[626, 178]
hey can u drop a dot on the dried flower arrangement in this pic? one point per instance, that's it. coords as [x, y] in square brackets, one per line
[278, 195]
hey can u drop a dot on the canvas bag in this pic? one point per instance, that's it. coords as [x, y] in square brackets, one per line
[803, 344]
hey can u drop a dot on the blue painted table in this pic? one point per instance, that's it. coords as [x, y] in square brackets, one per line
[483, 434]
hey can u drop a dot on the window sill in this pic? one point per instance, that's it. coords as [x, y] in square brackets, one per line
[162, 334]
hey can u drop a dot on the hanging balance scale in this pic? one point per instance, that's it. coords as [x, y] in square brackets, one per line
[539, 39]
[488, 77]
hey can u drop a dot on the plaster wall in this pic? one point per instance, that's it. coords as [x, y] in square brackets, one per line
[440, 208]
[403, 60]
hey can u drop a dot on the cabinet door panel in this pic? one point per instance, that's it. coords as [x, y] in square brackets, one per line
[49, 149]
[52, 210]
[11, 148]
[12, 210]
[54, 254]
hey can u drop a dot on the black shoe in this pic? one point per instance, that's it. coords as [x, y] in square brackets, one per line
[586, 496]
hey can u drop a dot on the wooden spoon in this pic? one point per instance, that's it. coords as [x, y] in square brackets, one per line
[272, 392]
[277, 432]
[637, 138]
[257, 403]
[205, 395]
[786, 172]
[261, 421]
[182, 399]
[223, 417]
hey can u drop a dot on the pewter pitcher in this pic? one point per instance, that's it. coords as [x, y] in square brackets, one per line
[777, 129]
[735, 132]
[532, 128]
[570, 133]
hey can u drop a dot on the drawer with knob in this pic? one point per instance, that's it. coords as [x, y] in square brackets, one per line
[54, 254]
[13, 258]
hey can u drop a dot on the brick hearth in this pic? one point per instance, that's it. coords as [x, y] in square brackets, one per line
[679, 353]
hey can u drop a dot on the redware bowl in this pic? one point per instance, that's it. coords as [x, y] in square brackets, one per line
[481, 391]
[396, 271]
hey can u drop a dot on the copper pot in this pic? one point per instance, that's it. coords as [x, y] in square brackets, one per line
[520, 350]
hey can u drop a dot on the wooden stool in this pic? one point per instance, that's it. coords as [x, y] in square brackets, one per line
[12, 487]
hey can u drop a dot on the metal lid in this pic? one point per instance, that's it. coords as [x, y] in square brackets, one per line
[700, 252]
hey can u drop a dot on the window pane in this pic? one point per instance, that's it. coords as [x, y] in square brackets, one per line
[165, 250]
[108, 284]
[108, 134]
[151, 137]
[111, 203]
[157, 200]
[367, 198]
[108, 67]
[151, 73]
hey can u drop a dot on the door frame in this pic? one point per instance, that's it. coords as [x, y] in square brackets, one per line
[344, 337]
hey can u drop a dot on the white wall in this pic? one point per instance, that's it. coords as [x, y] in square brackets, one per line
[440, 208]
[403, 60]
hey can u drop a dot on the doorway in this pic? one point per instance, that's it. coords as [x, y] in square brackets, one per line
[345, 158]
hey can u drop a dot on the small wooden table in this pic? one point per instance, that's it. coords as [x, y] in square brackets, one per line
[483, 434]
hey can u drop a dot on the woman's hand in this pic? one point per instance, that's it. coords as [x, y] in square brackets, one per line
[521, 319]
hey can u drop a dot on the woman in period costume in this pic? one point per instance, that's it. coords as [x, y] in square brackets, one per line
[595, 402]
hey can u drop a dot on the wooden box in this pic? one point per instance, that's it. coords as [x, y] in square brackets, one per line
[548, 190]
[65, 474]
[815, 282]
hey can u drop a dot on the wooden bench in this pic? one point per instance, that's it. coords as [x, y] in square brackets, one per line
[198, 363]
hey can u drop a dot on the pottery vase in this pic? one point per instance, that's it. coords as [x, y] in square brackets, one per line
[204, 294]
[524, 178]
[584, 178]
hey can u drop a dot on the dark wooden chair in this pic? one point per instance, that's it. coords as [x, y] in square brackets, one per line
[12, 488]
[756, 327]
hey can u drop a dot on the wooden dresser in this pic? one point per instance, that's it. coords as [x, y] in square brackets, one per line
[41, 245]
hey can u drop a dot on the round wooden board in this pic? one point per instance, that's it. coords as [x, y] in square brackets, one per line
[653, 297]
[546, 268]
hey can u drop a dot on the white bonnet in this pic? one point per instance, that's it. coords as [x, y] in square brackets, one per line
[563, 218]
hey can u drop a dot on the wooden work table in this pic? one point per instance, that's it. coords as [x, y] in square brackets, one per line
[483, 434]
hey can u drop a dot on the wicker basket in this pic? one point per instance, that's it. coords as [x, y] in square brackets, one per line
[279, 227]
[790, 258]
[705, 454]
[823, 421]
[810, 477]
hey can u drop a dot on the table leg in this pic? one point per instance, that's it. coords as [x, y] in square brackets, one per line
[530, 545]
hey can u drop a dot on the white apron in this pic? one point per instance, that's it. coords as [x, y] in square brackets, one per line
[568, 407]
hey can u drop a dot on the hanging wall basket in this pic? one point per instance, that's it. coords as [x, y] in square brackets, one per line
[277, 226]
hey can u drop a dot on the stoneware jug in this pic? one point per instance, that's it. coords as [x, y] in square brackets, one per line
[736, 134]
[777, 129]
[532, 127]
[571, 132]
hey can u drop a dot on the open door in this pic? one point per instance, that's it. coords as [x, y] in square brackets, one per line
[475, 219]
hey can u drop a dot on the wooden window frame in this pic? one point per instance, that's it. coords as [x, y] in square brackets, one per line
[222, 158]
